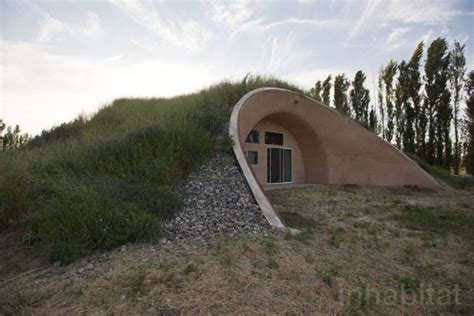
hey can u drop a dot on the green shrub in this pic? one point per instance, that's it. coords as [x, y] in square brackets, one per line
[409, 284]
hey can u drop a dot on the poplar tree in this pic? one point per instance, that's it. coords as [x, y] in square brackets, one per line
[360, 99]
[457, 70]
[469, 89]
[437, 101]
[380, 98]
[315, 91]
[326, 95]
[373, 121]
[341, 85]
[388, 74]
[417, 121]
[402, 106]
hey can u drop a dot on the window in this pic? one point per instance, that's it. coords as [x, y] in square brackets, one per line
[273, 138]
[253, 137]
[252, 157]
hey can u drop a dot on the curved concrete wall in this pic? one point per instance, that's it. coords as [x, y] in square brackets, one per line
[335, 149]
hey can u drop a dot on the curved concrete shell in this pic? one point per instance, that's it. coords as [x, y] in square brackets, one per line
[298, 140]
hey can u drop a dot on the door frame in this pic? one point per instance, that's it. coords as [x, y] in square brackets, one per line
[268, 166]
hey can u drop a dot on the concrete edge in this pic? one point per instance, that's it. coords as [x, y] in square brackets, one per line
[257, 191]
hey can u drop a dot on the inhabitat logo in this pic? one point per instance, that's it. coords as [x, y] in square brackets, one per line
[419, 295]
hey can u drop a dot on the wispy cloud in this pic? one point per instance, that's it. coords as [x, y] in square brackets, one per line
[51, 28]
[388, 13]
[370, 9]
[188, 34]
[315, 23]
[428, 12]
[395, 38]
[231, 14]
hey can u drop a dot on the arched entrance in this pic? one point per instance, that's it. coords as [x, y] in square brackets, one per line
[282, 148]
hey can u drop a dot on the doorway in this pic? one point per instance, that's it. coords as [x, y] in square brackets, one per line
[279, 165]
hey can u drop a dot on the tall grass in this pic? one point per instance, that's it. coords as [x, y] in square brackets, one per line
[100, 182]
[457, 182]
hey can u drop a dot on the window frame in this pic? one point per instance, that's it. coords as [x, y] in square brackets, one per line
[247, 157]
[247, 140]
[276, 133]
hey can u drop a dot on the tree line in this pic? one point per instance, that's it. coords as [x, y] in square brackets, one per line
[423, 107]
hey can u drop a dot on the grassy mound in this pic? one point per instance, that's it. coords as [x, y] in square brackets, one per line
[99, 182]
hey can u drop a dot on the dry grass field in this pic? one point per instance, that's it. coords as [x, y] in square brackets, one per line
[362, 250]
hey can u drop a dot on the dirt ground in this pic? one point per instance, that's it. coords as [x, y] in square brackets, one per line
[358, 252]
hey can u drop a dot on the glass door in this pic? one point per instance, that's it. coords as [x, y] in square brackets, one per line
[279, 165]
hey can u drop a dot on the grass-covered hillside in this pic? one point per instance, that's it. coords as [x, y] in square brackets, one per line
[98, 182]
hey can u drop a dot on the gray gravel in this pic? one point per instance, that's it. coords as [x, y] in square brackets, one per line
[217, 202]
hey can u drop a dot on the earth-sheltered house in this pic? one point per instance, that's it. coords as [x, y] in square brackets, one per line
[285, 138]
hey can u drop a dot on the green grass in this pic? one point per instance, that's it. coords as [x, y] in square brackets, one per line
[438, 221]
[111, 178]
[457, 182]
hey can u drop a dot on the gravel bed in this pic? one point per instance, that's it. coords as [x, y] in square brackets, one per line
[217, 202]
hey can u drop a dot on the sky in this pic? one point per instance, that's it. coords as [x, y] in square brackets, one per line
[60, 59]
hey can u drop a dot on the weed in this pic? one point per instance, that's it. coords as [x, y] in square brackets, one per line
[270, 248]
[272, 263]
[409, 284]
[327, 275]
[288, 235]
[467, 262]
[308, 257]
[13, 301]
[336, 237]
[409, 254]
[304, 235]
[362, 298]
[134, 284]
[226, 259]
[190, 268]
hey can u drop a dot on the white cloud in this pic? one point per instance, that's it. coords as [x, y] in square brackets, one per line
[92, 25]
[40, 89]
[188, 33]
[50, 28]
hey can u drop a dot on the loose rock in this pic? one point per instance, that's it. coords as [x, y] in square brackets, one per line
[217, 202]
